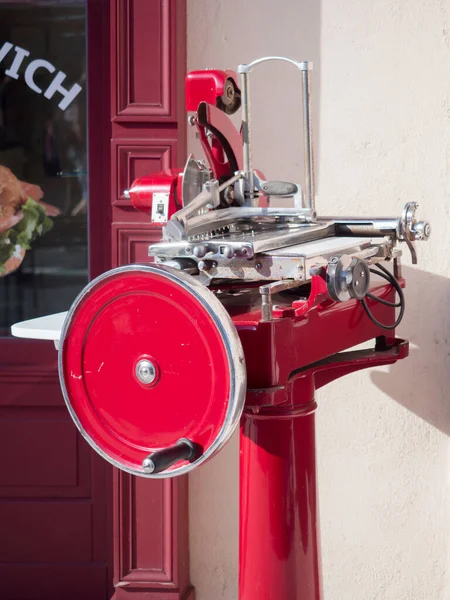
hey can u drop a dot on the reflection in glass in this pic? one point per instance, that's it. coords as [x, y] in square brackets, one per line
[43, 158]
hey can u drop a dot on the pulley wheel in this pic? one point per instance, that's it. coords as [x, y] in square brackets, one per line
[152, 370]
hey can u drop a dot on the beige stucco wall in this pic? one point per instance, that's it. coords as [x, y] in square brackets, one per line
[382, 128]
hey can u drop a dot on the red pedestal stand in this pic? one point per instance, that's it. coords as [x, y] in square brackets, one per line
[279, 521]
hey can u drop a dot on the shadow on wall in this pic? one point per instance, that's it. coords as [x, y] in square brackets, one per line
[421, 382]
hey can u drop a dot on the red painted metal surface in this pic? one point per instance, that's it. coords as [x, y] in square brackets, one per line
[279, 512]
[129, 317]
[206, 86]
[143, 189]
[224, 153]
[287, 360]
[279, 534]
[290, 343]
[224, 149]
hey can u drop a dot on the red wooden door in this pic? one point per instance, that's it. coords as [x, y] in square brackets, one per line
[65, 515]
[55, 494]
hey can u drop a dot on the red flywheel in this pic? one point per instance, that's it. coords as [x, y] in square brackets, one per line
[152, 370]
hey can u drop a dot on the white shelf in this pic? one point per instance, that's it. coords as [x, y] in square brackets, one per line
[42, 328]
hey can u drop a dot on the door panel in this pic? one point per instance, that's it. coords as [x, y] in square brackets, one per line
[145, 37]
[55, 494]
[55, 539]
[135, 158]
[148, 67]
[53, 581]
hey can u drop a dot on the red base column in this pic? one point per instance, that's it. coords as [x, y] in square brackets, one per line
[279, 524]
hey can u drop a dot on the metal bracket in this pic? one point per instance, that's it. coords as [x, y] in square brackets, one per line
[411, 230]
[267, 291]
[329, 369]
[305, 68]
[344, 363]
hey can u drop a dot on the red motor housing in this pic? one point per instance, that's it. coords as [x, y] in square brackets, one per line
[158, 194]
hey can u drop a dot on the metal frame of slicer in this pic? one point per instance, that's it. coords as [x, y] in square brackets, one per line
[226, 229]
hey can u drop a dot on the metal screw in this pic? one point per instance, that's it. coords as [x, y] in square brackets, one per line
[148, 465]
[422, 230]
[145, 371]
[200, 250]
[228, 252]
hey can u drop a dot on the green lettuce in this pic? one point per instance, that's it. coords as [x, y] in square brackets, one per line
[34, 224]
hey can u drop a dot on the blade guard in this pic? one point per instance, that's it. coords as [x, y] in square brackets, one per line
[152, 370]
[214, 86]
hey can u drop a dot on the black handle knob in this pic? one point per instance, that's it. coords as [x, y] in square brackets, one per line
[161, 460]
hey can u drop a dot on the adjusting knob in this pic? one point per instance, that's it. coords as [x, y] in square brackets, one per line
[421, 230]
[347, 278]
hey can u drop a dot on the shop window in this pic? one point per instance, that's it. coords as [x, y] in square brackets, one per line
[43, 157]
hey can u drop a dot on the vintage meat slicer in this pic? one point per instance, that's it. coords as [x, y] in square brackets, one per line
[243, 310]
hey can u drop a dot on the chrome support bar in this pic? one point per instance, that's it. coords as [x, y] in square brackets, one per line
[244, 70]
